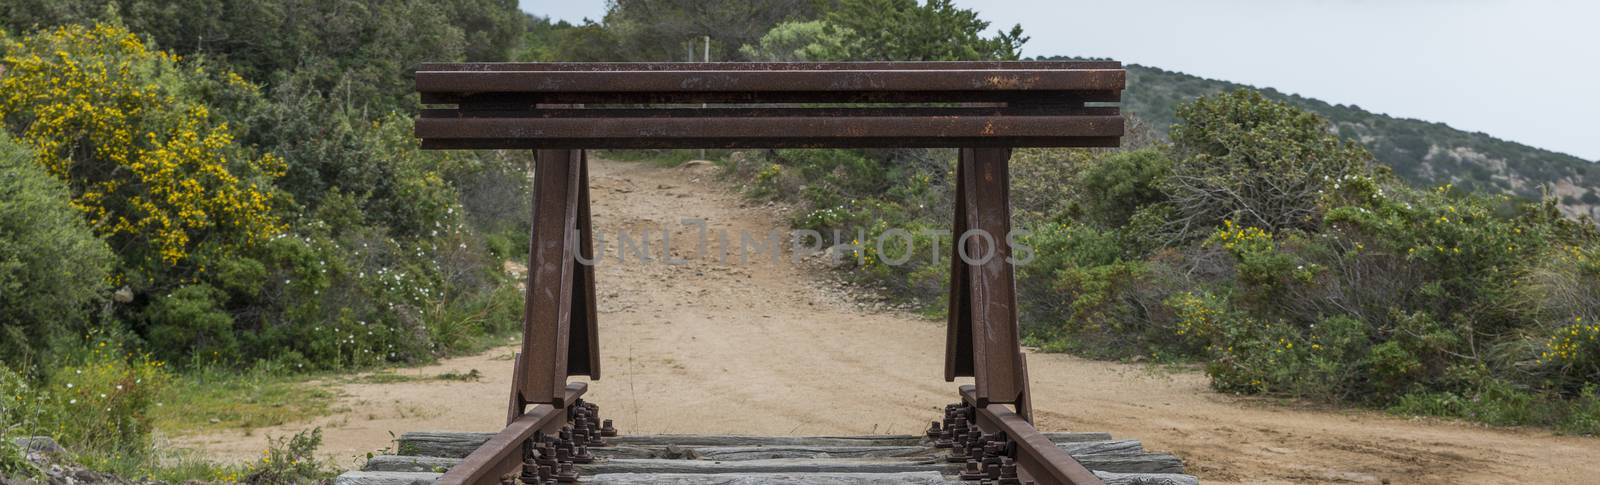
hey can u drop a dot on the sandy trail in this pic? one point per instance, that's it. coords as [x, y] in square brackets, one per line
[762, 348]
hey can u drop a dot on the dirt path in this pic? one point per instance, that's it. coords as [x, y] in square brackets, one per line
[760, 348]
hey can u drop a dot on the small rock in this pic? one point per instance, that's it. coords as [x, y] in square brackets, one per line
[38, 444]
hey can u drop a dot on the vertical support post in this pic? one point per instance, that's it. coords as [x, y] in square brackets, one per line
[518, 406]
[584, 348]
[982, 339]
[557, 285]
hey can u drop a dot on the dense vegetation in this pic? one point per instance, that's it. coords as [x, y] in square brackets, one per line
[1293, 247]
[195, 189]
[1420, 152]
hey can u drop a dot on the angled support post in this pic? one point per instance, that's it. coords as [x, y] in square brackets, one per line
[559, 337]
[982, 338]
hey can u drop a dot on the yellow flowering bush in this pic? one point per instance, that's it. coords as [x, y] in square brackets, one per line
[1242, 239]
[147, 165]
[1574, 343]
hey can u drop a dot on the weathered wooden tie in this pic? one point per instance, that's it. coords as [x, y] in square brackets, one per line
[767, 460]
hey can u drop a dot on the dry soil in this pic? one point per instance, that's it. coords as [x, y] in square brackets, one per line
[762, 348]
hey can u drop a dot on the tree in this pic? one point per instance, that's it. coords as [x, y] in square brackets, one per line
[1260, 163]
[52, 268]
[149, 167]
[365, 47]
[1115, 186]
[901, 30]
[797, 41]
[673, 30]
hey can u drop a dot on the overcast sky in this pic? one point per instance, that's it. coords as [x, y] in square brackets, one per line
[1523, 70]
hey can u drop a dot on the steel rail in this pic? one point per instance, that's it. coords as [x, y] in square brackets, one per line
[502, 454]
[770, 132]
[1037, 458]
[764, 66]
[770, 112]
[468, 99]
[770, 81]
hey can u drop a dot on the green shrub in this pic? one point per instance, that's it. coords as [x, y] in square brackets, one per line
[18, 407]
[1239, 156]
[290, 460]
[53, 270]
[188, 323]
[1118, 185]
[98, 409]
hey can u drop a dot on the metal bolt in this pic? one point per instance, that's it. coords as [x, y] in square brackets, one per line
[582, 456]
[1008, 472]
[957, 455]
[607, 430]
[568, 473]
[971, 471]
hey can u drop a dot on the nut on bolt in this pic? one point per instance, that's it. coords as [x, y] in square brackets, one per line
[568, 473]
[971, 471]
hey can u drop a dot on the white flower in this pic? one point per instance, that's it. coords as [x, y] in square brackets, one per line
[74, 401]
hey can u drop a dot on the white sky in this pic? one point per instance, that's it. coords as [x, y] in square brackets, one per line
[1522, 70]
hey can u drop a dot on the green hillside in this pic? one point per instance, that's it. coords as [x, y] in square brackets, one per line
[1424, 153]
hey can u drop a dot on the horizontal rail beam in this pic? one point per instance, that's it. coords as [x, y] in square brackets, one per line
[503, 452]
[1037, 458]
[770, 81]
[771, 112]
[763, 66]
[752, 97]
[770, 132]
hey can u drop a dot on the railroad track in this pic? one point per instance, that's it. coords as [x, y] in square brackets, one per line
[560, 109]
[961, 447]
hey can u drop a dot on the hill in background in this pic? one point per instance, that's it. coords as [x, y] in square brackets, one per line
[1423, 153]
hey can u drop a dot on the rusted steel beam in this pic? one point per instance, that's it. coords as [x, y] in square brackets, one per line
[1038, 459]
[527, 100]
[552, 276]
[958, 335]
[584, 345]
[982, 340]
[770, 132]
[765, 66]
[772, 112]
[933, 80]
[518, 406]
[502, 454]
[775, 142]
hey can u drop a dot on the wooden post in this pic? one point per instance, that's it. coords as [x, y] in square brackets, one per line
[982, 338]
